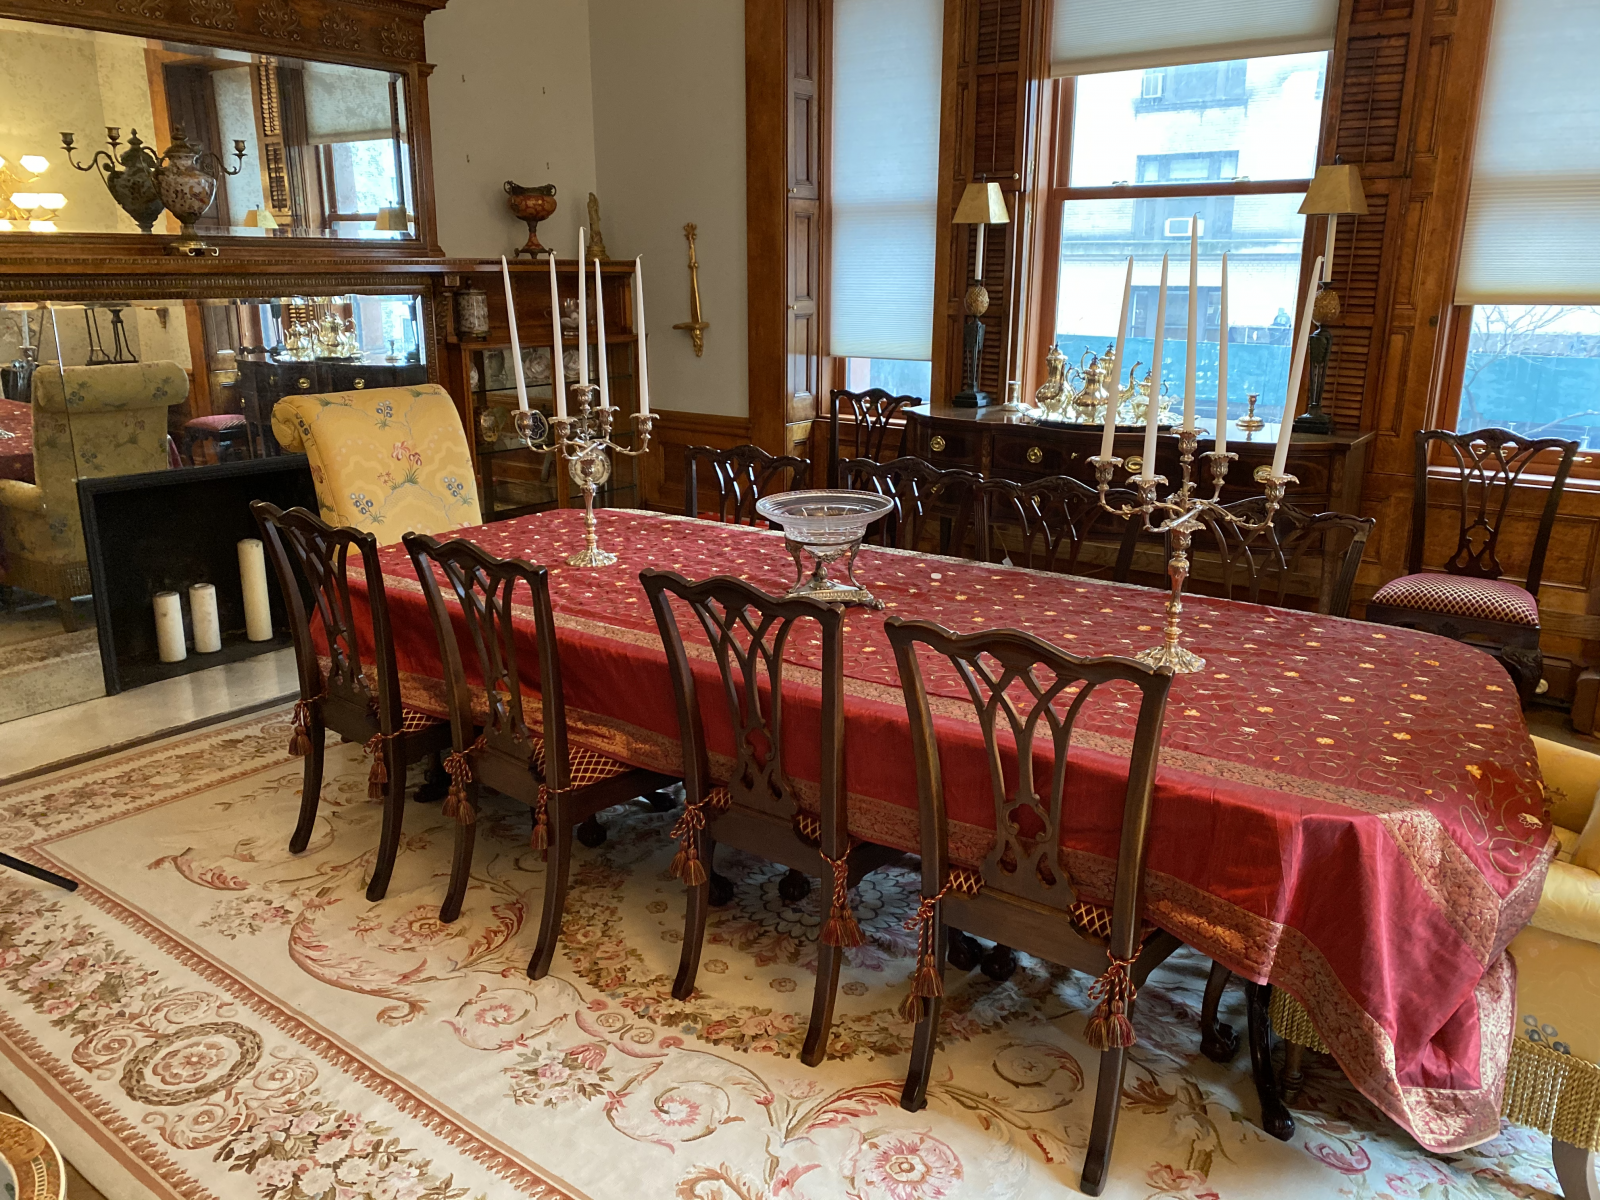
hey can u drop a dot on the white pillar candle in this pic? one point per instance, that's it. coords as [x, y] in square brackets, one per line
[1222, 366]
[583, 309]
[1191, 367]
[1280, 456]
[1153, 406]
[558, 366]
[1108, 437]
[203, 612]
[253, 579]
[516, 346]
[638, 326]
[600, 338]
[169, 627]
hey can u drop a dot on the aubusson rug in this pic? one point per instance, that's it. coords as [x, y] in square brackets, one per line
[210, 1016]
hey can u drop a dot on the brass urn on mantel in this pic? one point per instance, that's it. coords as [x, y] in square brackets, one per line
[532, 205]
[187, 179]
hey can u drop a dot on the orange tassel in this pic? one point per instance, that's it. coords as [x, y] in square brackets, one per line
[842, 928]
[458, 765]
[686, 864]
[927, 981]
[1109, 1026]
[540, 838]
[378, 776]
[300, 739]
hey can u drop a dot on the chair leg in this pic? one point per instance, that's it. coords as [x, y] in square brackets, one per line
[1575, 1170]
[310, 783]
[435, 785]
[1275, 1118]
[914, 1096]
[556, 870]
[1103, 1130]
[829, 960]
[1218, 1041]
[461, 863]
[696, 907]
[68, 615]
[394, 810]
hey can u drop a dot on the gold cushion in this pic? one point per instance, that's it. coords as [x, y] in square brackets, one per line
[388, 460]
[1570, 904]
[1571, 779]
[1586, 853]
[1558, 977]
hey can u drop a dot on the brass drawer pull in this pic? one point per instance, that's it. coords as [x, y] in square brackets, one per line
[1133, 465]
[305, 384]
[1035, 455]
[360, 382]
[936, 443]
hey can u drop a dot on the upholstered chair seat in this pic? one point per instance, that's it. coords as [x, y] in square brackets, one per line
[1461, 596]
[386, 460]
[100, 421]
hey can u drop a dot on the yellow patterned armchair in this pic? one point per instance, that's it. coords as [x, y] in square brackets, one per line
[388, 460]
[107, 420]
[1554, 1082]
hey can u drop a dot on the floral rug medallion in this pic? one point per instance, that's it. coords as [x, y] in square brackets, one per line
[245, 1024]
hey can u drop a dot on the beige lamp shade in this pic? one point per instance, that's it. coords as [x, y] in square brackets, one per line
[260, 218]
[984, 204]
[1336, 189]
[393, 219]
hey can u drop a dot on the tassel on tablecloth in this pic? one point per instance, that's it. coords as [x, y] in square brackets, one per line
[1109, 1025]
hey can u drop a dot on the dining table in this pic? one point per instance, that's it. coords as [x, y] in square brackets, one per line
[1350, 812]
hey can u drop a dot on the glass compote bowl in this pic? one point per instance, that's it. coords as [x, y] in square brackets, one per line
[827, 524]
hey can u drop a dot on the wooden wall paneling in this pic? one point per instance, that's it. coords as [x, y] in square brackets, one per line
[661, 478]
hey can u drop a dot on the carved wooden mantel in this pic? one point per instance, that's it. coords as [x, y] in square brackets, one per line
[374, 33]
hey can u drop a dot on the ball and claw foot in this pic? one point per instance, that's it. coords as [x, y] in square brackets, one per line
[795, 886]
[1219, 1043]
[721, 888]
[591, 833]
[1000, 963]
[662, 801]
[964, 952]
[435, 785]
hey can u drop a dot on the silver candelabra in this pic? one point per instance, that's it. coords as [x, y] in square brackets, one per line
[1177, 517]
[585, 442]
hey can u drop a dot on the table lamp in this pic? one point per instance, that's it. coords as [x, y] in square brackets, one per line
[982, 204]
[1335, 191]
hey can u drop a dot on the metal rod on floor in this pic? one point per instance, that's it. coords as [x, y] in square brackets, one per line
[27, 868]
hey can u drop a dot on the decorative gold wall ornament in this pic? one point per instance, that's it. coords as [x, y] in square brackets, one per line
[597, 241]
[212, 14]
[696, 327]
[278, 20]
[398, 40]
[340, 31]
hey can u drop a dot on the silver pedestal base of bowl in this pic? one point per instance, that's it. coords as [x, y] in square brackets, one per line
[815, 582]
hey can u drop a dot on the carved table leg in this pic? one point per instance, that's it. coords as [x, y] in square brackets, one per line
[1218, 1041]
[1275, 1118]
[1293, 1071]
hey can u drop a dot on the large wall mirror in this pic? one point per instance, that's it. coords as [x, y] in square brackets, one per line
[327, 153]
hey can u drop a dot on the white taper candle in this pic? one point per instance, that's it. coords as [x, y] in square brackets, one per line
[516, 346]
[1190, 366]
[600, 338]
[1291, 399]
[169, 627]
[1222, 366]
[638, 325]
[583, 308]
[1108, 437]
[558, 366]
[1153, 405]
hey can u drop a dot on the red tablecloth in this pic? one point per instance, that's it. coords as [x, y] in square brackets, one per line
[16, 452]
[1348, 811]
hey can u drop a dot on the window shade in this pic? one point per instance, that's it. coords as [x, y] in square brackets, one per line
[346, 104]
[1533, 217]
[884, 185]
[1090, 36]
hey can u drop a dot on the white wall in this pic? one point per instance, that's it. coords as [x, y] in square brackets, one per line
[510, 99]
[668, 108]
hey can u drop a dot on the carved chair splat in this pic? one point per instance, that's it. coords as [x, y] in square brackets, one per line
[741, 475]
[924, 497]
[874, 412]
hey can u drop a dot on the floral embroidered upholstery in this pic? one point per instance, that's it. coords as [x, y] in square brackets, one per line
[108, 420]
[388, 460]
[1461, 596]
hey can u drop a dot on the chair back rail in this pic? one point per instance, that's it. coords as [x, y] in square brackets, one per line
[742, 475]
[1265, 559]
[748, 631]
[1021, 686]
[1488, 465]
[311, 558]
[920, 492]
[873, 410]
[1053, 518]
[483, 588]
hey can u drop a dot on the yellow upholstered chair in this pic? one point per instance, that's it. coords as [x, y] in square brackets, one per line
[388, 460]
[106, 420]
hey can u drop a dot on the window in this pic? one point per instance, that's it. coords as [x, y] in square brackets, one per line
[1533, 369]
[358, 179]
[897, 376]
[1232, 145]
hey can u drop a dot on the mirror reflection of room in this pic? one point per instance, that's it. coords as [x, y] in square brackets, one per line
[325, 147]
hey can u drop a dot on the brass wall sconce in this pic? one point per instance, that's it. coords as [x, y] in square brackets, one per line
[695, 325]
